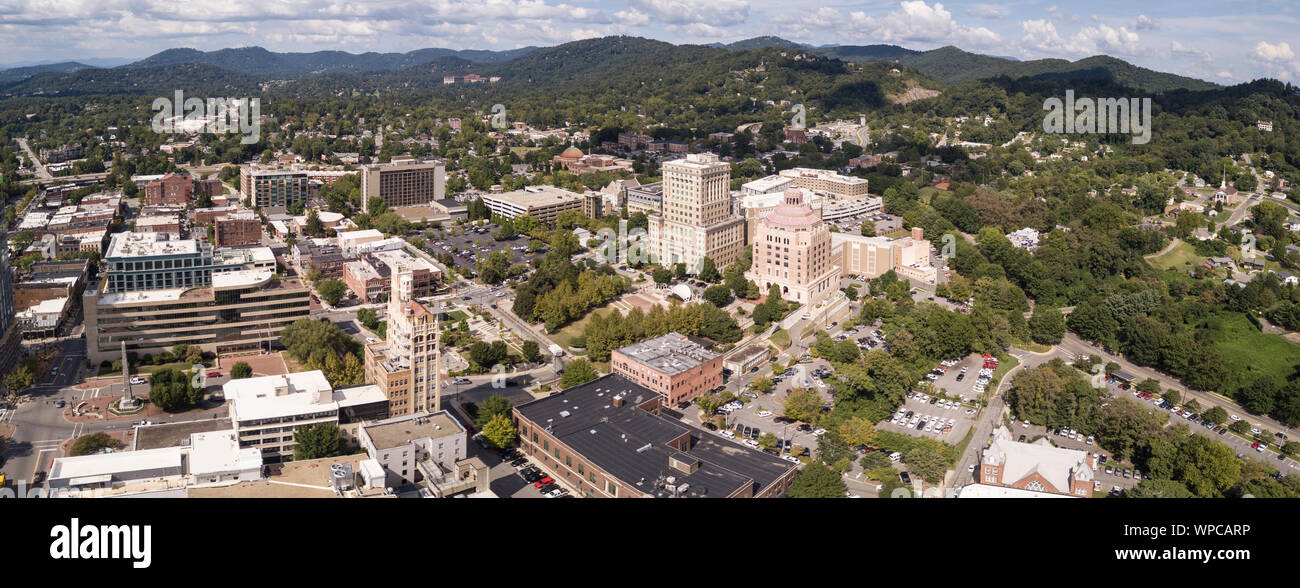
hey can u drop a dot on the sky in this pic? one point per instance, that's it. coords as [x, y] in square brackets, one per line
[1222, 41]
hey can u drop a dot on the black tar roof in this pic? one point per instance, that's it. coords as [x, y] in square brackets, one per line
[632, 444]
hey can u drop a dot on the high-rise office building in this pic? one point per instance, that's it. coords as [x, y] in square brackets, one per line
[696, 220]
[405, 365]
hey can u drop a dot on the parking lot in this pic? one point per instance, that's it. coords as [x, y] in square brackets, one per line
[761, 413]
[968, 385]
[469, 247]
[929, 416]
[884, 223]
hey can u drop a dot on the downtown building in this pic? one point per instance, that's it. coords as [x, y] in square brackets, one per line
[696, 220]
[869, 257]
[273, 187]
[672, 366]
[405, 365]
[827, 182]
[544, 203]
[159, 293]
[609, 438]
[403, 182]
[792, 249]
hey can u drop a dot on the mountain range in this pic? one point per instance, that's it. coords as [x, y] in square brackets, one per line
[949, 65]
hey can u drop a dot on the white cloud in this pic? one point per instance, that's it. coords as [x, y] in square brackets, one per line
[1041, 36]
[1274, 52]
[918, 21]
[1146, 24]
[1179, 49]
[682, 12]
[988, 11]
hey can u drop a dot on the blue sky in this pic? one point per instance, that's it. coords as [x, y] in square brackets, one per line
[1224, 41]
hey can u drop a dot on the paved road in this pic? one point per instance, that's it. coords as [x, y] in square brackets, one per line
[1074, 345]
[41, 172]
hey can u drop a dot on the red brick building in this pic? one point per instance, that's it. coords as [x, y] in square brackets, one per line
[673, 366]
[237, 230]
[1036, 467]
[172, 189]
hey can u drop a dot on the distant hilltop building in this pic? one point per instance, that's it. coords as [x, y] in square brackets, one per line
[1264, 125]
[469, 79]
[1025, 238]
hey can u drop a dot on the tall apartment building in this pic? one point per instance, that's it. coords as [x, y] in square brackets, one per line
[240, 229]
[544, 203]
[243, 309]
[792, 249]
[155, 261]
[697, 219]
[273, 187]
[824, 181]
[405, 366]
[673, 366]
[173, 189]
[403, 182]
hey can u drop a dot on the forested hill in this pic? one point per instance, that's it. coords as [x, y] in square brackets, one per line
[261, 62]
[953, 65]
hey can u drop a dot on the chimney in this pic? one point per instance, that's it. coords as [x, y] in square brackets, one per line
[618, 402]
[918, 233]
[282, 386]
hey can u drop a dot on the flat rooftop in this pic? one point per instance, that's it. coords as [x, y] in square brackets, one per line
[534, 196]
[175, 434]
[669, 354]
[218, 452]
[241, 278]
[116, 463]
[397, 432]
[296, 479]
[130, 244]
[632, 444]
[257, 398]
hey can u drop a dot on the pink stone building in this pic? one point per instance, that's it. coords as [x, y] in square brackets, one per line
[792, 249]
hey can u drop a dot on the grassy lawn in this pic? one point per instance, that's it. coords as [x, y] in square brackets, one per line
[926, 194]
[149, 369]
[896, 234]
[1180, 258]
[782, 338]
[1005, 365]
[575, 329]
[1246, 349]
[457, 315]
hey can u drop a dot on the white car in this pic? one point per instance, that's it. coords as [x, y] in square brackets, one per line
[970, 411]
[970, 468]
[1254, 431]
[791, 458]
[764, 413]
[500, 294]
[818, 432]
[751, 443]
[728, 434]
[1234, 417]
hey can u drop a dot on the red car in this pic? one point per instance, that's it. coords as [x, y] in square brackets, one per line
[1254, 445]
[543, 482]
[214, 374]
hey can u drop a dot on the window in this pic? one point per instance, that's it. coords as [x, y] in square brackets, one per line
[1036, 486]
[611, 489]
